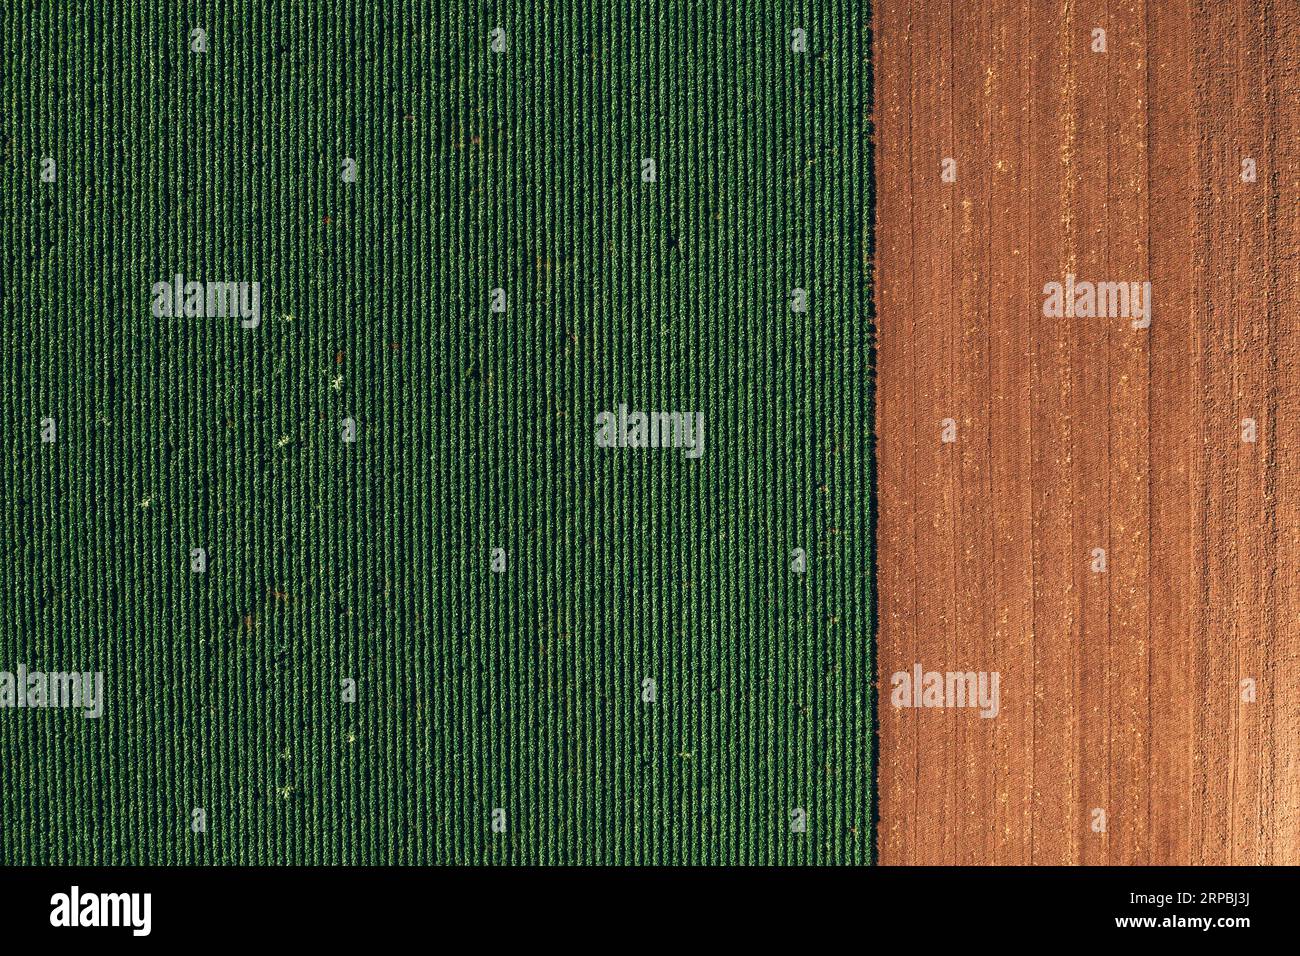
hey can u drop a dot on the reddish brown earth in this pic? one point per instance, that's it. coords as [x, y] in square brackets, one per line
[1120, 691]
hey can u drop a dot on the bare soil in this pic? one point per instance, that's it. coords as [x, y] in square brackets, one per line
[1120, 691]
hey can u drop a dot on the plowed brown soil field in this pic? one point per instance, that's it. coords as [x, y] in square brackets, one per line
[1147, 706]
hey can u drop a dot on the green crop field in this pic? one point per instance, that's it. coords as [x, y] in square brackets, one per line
[350, 671]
